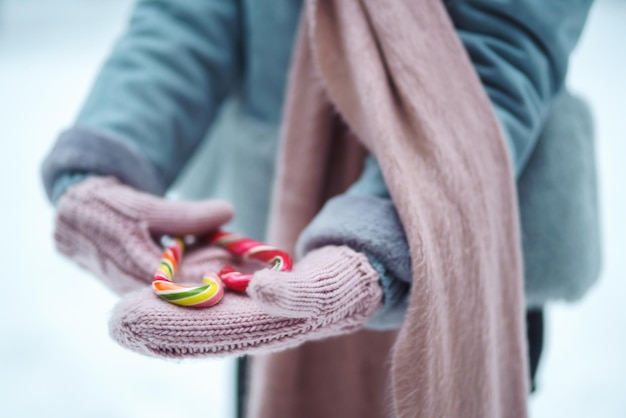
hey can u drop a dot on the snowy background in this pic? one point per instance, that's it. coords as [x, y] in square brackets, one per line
[56, 359]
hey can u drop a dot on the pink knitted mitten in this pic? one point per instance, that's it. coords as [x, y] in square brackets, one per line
[332, 291]
[106, 228]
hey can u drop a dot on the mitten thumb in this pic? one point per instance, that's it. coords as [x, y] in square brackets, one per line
[180, 218]
[175, 217]
[328, 281]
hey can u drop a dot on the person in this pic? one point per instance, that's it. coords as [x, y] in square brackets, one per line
[185, 69]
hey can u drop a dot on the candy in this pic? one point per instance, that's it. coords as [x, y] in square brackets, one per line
[246, 249]
[210, 293]
[213, 289]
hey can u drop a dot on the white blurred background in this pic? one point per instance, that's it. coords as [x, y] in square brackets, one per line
[56, 359]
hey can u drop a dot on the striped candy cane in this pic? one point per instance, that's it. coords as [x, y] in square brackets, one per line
[212, 290]
[246, 249]
[208, 294]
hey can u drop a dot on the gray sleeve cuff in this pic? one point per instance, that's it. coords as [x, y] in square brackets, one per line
[365, 223]
[84, 150]
[396, 299]
[370, 225]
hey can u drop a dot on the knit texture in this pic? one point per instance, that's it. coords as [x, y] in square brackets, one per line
[330, 292]
[109, 229]
[368, 224]
[398, 76]
[328, 283]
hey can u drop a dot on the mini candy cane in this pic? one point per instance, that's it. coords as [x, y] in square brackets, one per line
[195, 297]
[247, 248]
[213, 289]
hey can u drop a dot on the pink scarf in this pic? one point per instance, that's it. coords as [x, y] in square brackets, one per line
[392, 77]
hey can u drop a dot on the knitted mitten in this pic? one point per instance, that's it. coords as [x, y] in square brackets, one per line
[107, 228]
[332, 291]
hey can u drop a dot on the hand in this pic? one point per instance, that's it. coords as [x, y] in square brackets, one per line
[107, 228]
[332, 291]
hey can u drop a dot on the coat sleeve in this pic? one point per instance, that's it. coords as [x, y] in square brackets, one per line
[520, 50]
[155, 96]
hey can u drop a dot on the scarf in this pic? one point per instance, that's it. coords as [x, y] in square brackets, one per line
[391, 78]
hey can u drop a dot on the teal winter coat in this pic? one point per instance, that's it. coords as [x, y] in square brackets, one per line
[191, 99]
